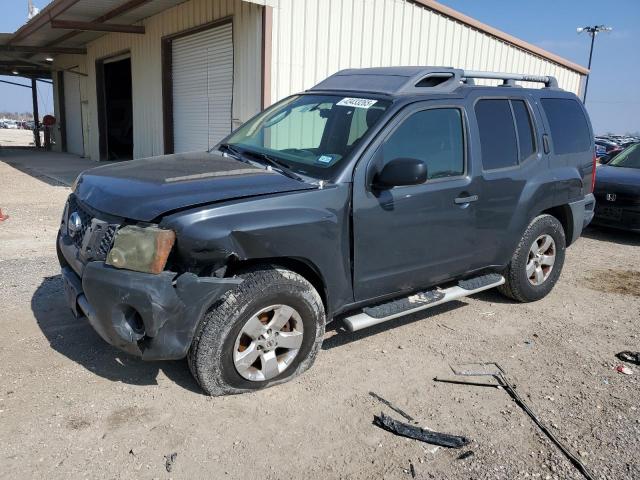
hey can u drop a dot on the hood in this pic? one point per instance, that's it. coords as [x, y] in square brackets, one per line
[618, 179]
[145, 189]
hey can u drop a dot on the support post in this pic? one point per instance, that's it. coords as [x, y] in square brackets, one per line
[36, 115]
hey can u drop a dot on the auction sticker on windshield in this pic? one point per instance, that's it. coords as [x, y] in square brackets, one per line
[356, 102]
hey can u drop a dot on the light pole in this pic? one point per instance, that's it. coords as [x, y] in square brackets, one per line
[593, 31]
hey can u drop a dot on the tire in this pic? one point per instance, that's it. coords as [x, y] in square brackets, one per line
[221, 335]
[519, 285]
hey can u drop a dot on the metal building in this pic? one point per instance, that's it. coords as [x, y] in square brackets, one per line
[137, 78]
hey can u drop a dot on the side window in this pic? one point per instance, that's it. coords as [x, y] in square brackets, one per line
[569, 128]
[434, 136]
[526, 140]
[497, 134]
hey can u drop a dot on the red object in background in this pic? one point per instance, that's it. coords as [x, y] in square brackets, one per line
[49, 120]
[593, 173]
[3, 217]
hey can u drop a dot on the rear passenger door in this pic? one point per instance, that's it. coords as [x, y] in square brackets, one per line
[507, 147]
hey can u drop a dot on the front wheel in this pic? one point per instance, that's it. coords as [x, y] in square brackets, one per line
[266, 331]
[537, 262]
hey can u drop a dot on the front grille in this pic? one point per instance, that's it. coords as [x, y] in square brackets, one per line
[85, 216]
[95, 236]
[106, 241]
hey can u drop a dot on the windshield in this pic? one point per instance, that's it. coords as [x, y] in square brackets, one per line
[629, 158]
[310, 134]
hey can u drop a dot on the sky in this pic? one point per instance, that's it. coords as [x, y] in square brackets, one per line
[613, 99]
[18, 99]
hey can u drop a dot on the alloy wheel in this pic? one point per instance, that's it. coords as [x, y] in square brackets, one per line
[268, 342]
[542, 256]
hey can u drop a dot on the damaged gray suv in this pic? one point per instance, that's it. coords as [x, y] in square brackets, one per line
[377, 193]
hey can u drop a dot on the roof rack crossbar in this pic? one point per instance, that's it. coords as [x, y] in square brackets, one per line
[548, 81]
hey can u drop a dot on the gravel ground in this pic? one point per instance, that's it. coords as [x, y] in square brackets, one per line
[73, 407]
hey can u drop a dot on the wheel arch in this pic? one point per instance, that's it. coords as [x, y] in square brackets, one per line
[564, 215]
[301, 266]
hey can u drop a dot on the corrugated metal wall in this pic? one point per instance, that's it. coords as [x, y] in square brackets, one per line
[146, 64]
[313, 39]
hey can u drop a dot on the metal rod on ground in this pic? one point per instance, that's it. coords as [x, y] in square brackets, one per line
[36, 115]
[464, 382]
[500, 375]
[522, 404]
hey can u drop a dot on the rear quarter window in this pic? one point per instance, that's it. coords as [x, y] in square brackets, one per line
[569, 128]
[497, 134]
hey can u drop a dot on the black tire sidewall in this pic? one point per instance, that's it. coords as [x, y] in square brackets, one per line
[291, 298]
[545, 224]
[211, 354]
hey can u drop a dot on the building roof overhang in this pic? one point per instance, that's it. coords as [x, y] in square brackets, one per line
[67, 26]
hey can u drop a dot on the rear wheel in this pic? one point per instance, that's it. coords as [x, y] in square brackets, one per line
[266, 331]
[537, 262]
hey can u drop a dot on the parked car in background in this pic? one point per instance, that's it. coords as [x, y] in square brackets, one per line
[617, 191]
[12, 124]
[606, 148]
[3, 124]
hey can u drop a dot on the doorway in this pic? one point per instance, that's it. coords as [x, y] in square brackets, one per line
[115, 108]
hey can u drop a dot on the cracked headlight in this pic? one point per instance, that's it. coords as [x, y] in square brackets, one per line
[142, 249]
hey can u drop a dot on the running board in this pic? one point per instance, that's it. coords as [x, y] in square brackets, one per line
[420, 301]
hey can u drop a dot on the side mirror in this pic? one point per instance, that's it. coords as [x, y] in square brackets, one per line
[400, 172]
[605, 159]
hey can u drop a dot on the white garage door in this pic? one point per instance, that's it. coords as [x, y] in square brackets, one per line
[73, 114]
[202, 68]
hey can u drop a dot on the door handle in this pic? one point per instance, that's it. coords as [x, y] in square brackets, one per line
[469, 199]
[545, 143]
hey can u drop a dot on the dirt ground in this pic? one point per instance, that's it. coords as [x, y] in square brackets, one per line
[73, 407]
[16, 138]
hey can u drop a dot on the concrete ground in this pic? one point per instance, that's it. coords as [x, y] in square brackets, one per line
[73, 407]
[51, 167]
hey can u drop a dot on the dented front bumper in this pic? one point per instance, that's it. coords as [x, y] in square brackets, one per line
[151, 316]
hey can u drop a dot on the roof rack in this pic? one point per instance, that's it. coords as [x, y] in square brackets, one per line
[413, 80]
[509, 78]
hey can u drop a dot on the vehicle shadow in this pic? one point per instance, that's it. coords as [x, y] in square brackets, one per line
[76, 340]
[341, 336]
[612, 235]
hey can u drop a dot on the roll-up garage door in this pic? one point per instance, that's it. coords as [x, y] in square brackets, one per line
[202, 68]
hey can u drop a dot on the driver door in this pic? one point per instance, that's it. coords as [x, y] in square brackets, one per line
[416, 236]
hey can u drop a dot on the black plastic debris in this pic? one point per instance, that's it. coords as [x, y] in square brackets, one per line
[412, 469]
[465, 455]
[629, 357]
[169, 461]
[417, 433]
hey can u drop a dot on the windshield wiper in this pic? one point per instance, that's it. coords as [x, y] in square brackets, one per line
[272, 162]
[235, 153]
[280, 166]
